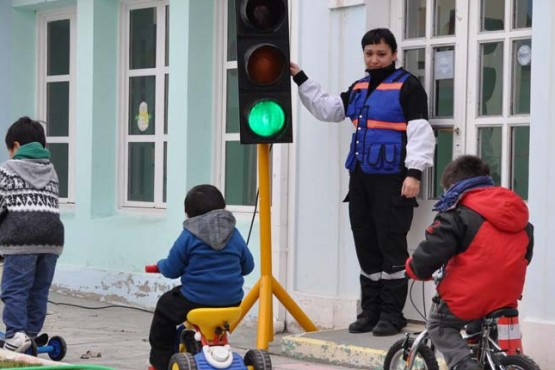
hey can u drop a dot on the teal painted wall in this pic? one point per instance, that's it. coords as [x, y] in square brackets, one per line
[99, 235]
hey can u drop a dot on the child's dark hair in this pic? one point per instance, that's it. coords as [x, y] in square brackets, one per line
[202, 199]
[464, 167]
[376, 36]
[25, 131]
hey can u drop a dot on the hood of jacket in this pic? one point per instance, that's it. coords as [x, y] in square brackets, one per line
[500, 206]
[36, 172]
[215, 228]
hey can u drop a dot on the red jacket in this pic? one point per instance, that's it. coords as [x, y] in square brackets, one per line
[485, 244]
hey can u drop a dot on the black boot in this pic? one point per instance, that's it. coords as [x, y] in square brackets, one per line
[370, 304]
[393, 295]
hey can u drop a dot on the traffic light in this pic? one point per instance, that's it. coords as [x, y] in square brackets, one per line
[263, 71]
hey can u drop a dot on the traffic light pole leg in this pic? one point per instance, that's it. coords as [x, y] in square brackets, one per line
[292, 307]
[265, 314]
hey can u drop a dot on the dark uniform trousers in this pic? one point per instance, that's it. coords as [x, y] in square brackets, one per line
[380, 220]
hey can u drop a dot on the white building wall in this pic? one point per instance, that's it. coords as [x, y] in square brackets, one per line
[538, 308]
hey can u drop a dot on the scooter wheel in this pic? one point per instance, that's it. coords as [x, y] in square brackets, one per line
[183, 361]
[257, 359]
[59, 348]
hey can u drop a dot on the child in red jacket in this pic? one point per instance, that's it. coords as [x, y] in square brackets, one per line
[482, 239]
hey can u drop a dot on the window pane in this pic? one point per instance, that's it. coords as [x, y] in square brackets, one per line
[141, 172]
[59, 156]
[444, 17]
[489, 146]
[167, 57]
[522, 51]
[444, 81]
[240, 174]
[415, 18]
[520, 152]
[165, 182]
[232, 107]
[492, 17]
[57, 58]
[443, 155]
[522, 13]
[491, 79]
[141, 104]
[415, 63]
[142, 38]
[57, 108]
[166, 89]
[231, 31]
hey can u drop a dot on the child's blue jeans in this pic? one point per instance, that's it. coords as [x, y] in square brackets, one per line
[26, 280]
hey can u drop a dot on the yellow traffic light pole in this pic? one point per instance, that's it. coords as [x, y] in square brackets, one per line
[267, 284]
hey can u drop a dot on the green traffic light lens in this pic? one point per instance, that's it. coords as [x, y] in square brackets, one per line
[266, 118]
[265, 15]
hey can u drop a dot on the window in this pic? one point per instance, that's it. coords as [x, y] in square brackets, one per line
[502, 40]
[145, 91]
[56, 94]
[239, 181]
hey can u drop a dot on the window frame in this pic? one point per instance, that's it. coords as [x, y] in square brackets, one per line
[43, 18]
[159, 138]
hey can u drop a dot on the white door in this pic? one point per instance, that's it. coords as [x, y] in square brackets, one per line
[473, 59]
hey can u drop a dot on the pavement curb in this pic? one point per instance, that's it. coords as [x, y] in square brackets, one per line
[298, 347]
[324, 351]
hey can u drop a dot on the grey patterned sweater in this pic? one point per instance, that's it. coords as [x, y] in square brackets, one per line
[29, 213]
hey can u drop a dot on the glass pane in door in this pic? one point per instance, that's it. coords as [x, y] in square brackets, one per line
[492, 15]
[444, 82]
[415, 63]
[491, 79]
[489, 149]
[522, 13]
[443, 155]
[521, 64]
[415, 19]
[444, 16]
[520, 151]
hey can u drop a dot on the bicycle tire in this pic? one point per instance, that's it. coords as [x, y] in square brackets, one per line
[425, 357]
[518, 362]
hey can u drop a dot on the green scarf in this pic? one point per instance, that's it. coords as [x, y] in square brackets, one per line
[32, 150]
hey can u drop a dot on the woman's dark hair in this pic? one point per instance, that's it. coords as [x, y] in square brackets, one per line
[25, 131]
[464, 167]
[202, 199]
[376, 36]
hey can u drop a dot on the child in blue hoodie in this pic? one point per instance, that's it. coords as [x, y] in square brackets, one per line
[211, 258]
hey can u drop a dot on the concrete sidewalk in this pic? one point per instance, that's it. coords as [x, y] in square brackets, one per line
[102, 334]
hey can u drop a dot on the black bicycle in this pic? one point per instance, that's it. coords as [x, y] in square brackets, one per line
[417, 352]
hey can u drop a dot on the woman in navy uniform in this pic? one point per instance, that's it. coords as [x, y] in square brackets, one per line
[391, 146]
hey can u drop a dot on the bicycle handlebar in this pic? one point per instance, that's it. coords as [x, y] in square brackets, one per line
[151, 268]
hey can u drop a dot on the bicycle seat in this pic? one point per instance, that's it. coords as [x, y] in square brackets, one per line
[210, 319]
[503, 312]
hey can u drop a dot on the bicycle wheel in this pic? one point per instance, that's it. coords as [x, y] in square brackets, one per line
[518, 362]
[396, 358]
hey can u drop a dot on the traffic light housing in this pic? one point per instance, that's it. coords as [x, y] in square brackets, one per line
[263, 71]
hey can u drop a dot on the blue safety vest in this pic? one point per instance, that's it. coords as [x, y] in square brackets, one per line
[380, 136]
